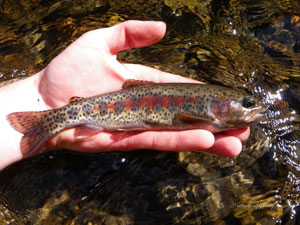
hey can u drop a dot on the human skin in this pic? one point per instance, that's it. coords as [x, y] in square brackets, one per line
[89, 67]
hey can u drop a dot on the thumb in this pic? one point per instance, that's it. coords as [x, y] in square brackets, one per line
[134, 34]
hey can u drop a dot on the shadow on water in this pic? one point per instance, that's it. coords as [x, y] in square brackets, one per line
[246, 44]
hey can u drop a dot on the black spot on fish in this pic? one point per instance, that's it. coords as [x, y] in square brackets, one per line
[200, 104]
[135, 103]
[87, 110]
[157, 108]
[109, 115]
[103, 111]
[149, 92]
[165, 114]
[199, 107]
[172, 107]
[93, 101]
[49, 120]
[107, 98]
[72, 113]
[147, 111]
[119, 107]
[59, 118]
[135, 107]
[187, 107]
[102, 104]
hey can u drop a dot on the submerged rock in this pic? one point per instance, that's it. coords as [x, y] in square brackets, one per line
[232, 43]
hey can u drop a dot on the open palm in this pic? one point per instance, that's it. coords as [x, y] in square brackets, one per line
[89, 67]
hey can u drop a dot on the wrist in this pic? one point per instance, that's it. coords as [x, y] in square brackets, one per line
[22, 95]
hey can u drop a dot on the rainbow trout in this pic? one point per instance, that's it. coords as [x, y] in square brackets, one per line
[141, 106]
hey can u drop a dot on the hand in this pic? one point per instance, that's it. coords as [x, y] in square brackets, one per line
[89, 67]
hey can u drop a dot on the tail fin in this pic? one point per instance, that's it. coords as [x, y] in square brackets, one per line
[29, 123]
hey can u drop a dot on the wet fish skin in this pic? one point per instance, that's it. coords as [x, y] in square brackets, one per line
[142, 106]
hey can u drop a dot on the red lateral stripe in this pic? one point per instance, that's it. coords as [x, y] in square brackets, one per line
[146, 102]
[96, 108]
[192, 100]
[128, 104]
[162, 100]
[143, 102]
[165, 101]
[179, 100]
[149, 102]
[156, 100]
[110, 106]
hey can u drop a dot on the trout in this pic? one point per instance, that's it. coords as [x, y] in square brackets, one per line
[141, 106]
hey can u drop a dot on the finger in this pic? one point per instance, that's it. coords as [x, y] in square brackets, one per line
[161, 140]
[241, 133]
[134, 34]
[226, 145]
[169, 140]
[141, 72]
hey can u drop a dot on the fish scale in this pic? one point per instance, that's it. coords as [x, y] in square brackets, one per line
[142, 106]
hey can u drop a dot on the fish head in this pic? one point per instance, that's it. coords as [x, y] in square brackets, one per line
[238, 110]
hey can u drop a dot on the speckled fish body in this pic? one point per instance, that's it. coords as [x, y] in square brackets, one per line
[138, 107]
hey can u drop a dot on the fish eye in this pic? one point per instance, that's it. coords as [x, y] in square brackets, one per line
[248, 102]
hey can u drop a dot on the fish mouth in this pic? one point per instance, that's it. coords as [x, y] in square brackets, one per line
[256, 115]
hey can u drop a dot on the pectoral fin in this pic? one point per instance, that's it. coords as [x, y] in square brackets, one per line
[187, 118]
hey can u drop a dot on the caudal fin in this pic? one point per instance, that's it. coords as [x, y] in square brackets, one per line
[30, 124]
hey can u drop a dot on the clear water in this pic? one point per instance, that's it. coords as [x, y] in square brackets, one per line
[248, 44]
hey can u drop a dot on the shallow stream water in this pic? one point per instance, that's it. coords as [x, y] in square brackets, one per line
[248, 44]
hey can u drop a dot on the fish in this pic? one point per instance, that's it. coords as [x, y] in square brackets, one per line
[141, 106]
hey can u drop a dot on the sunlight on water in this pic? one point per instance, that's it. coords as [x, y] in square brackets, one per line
[248, 44]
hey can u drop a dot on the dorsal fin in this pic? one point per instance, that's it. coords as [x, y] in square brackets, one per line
[75, 99]
[135, 83]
